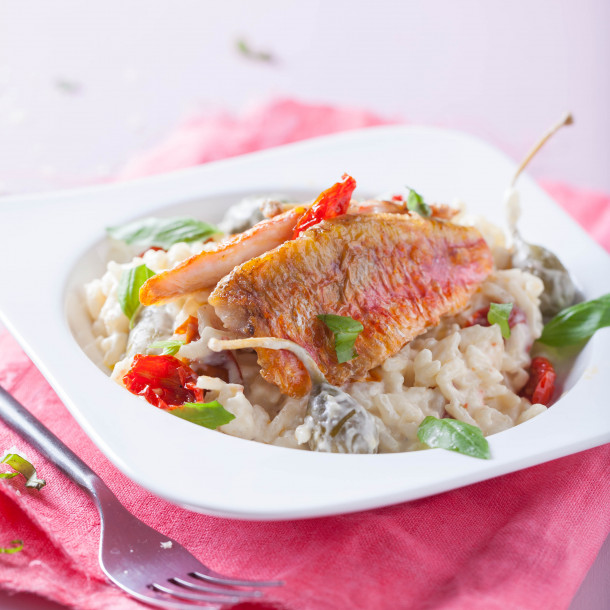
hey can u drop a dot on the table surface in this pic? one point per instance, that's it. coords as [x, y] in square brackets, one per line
[84, 87]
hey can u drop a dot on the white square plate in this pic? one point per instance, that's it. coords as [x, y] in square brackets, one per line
[52, 244]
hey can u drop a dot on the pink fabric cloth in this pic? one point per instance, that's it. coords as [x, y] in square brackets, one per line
[220, 135]
[591, 209]
[521, 541]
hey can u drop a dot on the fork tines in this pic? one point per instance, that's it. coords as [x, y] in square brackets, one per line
[218, 589]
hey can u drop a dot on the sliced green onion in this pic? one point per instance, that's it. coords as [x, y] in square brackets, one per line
[22, 466]
[12, 549]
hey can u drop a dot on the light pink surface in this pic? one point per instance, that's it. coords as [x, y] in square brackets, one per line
[503, 71]
[524, 540]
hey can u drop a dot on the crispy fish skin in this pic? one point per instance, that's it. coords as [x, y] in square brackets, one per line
[205, 269]
[396, 274]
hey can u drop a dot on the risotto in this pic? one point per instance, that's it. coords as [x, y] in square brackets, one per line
[461, 368]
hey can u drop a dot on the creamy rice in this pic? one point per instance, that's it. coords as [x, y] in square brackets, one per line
[469, 373]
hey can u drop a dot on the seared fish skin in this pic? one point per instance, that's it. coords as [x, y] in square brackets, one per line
[205, 269]
[396, 274]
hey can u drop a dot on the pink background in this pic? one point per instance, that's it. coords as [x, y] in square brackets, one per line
[83, 86]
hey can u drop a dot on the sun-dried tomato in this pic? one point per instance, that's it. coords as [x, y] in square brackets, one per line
[190, 329]
[158, 248]
[332, 202]
[516, 316]
[164, 381]
[541, 384]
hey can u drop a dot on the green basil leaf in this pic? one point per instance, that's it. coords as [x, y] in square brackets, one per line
[498, 314]
[22, 466]
[12, 549]
[128, 291]
[169, 347]
[577, 323]
[415, 203]
[162, 232]
[453, 435]
[346, 331]
[206, 414]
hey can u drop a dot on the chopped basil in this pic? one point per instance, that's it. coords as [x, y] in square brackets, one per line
[341, 422]
[577, 323]
[453, 435]
[169, 347]
[415, 203]
[68, 86]
[206, 414]
[346, 331]
[22, 466]
[12, 549]
[162, 232]
[244, 48]
[498, 314]
[128, 291]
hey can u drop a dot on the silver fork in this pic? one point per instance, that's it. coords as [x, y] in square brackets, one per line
[151, 567]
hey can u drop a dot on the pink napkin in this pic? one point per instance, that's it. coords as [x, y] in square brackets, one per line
[524, 540]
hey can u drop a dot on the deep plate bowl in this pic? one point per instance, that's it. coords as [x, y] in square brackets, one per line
[218, 474]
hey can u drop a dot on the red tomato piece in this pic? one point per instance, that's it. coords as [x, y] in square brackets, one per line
[332, 202]
[151, 248]
[516, 316]
[164, 381]
[541, 384]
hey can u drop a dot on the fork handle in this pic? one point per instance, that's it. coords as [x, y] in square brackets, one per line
[16, 416]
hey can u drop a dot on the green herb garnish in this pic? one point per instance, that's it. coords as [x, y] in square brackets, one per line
[68, 86]
[346, 331]
[12, 549]
[22, 466]
[337, 428]
[246, 50]
[207, 414]
[415, 203]
[453, 435]
[169, 347]
[577, 323]
[128, 291]
[162, 232]
[498, 314]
